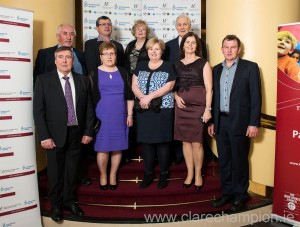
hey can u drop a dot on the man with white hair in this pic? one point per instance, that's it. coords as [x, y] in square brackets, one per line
[44, 62]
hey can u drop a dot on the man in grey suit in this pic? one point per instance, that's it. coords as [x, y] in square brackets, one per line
[236, 118]
[61, 137]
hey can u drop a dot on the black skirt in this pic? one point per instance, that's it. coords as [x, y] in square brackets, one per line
[155, 127]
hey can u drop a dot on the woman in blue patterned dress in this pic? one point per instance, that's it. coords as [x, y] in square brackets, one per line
[154, 129]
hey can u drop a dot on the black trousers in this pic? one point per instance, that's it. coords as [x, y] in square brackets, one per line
[233, 151]
[62, 165]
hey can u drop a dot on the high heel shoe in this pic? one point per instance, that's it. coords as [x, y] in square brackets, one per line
[113, 187]
[186, 185]
[198, 187]
[103, 187]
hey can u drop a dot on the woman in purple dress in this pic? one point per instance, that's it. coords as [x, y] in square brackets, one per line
[113, 100]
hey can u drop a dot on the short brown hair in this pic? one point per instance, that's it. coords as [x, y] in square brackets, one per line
[107, 46]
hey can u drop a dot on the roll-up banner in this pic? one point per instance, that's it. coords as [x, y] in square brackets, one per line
[19, 201]
[286, 198]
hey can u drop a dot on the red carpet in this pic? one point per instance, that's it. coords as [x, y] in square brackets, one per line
[131, 204]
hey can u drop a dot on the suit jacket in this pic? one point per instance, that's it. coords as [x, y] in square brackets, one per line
[172, 52]
[50, 109]
[245, 97]
[45, 61]
[92, 54]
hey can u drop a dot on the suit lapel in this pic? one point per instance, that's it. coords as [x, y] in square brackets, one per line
[238, 74]
[57, 85]
[77, 87]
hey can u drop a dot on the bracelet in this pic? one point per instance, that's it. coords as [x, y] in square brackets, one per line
[209, 108]
[129, 115]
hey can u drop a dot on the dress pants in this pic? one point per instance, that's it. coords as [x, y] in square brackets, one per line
[233, 151]
[62, 169]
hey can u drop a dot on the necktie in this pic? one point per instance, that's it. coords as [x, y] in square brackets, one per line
[70, 104]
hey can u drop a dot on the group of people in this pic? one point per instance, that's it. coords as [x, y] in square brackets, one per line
[167, 89]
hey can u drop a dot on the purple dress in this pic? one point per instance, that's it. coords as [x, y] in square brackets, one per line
[111, 110]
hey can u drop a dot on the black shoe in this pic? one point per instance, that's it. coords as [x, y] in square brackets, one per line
[147, 180]
[198, 187]
[163, 180]
[186, 185]
[222, 201]
[56, 214]
[113, 187]
[74, 209]
[86, 181]
[103, 187]
[237, 206]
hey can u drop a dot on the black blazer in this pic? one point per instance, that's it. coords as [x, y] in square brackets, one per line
[93, 76]
[92, 54]
[172, 52]
[245, 97]
[143, 56]
[50, 108]
[44, 61]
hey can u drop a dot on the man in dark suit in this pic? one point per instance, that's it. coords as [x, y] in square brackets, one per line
[61, 137]
[91, 48]
[44, 62]
[183, 26]
[236, 118]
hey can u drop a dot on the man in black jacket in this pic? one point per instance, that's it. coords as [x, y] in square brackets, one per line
[64, 118]
[236, 118]
[44, 62]
[91, 47]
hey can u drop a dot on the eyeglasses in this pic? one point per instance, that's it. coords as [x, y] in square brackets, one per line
[108, 54]
[105, 24]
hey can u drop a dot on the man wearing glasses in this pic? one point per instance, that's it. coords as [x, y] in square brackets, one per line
[104, 28]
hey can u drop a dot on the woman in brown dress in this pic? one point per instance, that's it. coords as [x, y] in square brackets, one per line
[193, 98]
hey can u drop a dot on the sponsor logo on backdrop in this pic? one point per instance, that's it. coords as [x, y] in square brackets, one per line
[21, 18]
[90, 5]
[6, 189]
[4, 112]
[9, 171]
[5, 149]
[3, 34]
[27, 167]
[23, 54]
[26, 128]
[12, 206]
[8, 224]
[29, 202]
[25, 93]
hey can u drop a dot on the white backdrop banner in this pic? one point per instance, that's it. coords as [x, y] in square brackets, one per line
[19, 201]
[159, 14]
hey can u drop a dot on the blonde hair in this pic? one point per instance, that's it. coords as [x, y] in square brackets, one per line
[138, 23]
[288, 35]
[151, 42]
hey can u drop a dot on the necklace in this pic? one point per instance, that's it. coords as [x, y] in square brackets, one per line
[110, 76]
